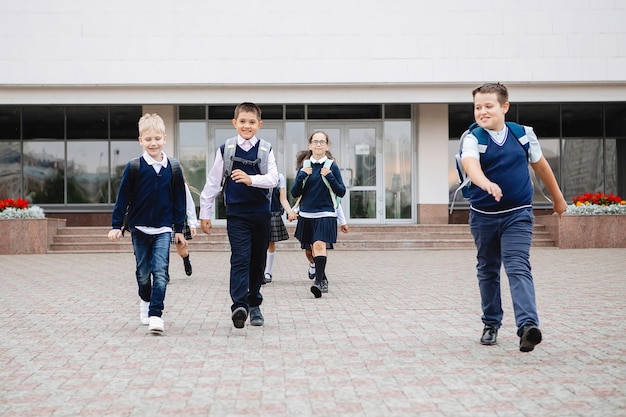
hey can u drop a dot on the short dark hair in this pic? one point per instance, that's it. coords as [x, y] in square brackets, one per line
[497, 88]
[249, 108]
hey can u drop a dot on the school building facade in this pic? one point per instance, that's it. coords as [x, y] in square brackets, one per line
[390, 82]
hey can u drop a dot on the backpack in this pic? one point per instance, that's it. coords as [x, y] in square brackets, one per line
[230, 147]
[483, 138]
[134, 169]
[327, 164]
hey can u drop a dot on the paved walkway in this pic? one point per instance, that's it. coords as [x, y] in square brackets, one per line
[396, 336]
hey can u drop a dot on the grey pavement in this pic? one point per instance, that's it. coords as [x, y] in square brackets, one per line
[396, 336]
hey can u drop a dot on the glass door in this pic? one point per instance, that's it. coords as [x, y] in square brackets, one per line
[357, 150]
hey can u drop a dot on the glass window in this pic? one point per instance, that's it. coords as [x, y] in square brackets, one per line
[192, 156]
[9, 123]
[121, 153]
[617, 166]
[582, 167]
[397, 111]
[44, 172]
[551, 151]
[460, 116]
[271, 111]
[222, 112]
[124, 121]
[192, 112]
[615, 116]
[10, 169]
[511, 115]
[344, 111]
[87, 172]
[87, 122]
[295, 141]
[543, 118]
[582, 120]
[41, 122]
[295, 111]
[397, 152]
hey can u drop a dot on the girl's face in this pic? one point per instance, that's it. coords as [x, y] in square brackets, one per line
[152, 141]
[318, 145]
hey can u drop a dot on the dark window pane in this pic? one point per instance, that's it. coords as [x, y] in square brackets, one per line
[124, 121]
[511, 115]
[87, 122]
[271, 111]
[345, 111]
[43, 122]
[582, 120]
[87, 172]
[9, 122]
[543, 118]
[615, 116]
[222, 112]
[44, 172]
[10, 169]
[397, 111]
[295, 111]
[460, 116]
[191, 112]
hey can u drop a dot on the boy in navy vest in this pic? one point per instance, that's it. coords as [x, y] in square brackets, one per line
[247, 197]
[501, 215]
[155, 199]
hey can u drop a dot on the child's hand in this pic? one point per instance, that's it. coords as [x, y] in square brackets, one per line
[179, 238]
[206, 226]
[114, 234]
[194, 232]
[240, 176]
[324, 171]
[344, 228]
[292, 216]
[308, 170]
[493, 189]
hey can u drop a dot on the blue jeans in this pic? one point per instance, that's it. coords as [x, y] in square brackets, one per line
[249, 237]
[152, 254]
[505, 239]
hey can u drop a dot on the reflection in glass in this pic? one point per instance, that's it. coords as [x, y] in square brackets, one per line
[193, 145]
[551, 151]
[363, 162]
[121, 153]
[44, 172]
[397, 151]
[87, 172]
[582, 167]
[295, 141]
[10, 172]
[362, 204]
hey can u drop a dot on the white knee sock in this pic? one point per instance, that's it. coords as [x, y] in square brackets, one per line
[269, 263]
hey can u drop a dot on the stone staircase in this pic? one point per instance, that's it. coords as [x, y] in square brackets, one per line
[360, 237]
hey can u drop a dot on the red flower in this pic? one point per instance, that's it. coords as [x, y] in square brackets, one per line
[599, 199]
[19, 204]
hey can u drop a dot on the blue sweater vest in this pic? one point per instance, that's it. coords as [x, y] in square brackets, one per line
[239, 197]
[507, 166]
[315, 195]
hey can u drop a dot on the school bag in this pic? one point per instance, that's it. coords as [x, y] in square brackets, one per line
[327, 164]
[230, 147]
[134, 169]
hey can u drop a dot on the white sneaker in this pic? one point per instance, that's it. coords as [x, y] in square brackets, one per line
[156, 325]
[144, 307]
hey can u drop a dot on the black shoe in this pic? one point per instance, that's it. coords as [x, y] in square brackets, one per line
[316, 290]
[324, 285]
[239, 317]
[256, 317]
[187, 264]
[490, 335]
[531, 336]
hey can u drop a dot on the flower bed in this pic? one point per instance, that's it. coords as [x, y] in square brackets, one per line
[24, 228]
[592, 221]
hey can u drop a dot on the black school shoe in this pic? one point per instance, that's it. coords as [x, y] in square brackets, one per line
[316, 289]
[187, 264]
[490, 335]
[531, 336]
[239, 317]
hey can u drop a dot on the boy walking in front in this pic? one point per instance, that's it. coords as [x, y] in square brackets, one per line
[495, 155]
[154, 194]
[245, 169]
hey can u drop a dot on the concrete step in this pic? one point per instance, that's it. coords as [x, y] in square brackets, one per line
[360, 237]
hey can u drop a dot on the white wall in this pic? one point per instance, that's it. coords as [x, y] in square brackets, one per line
[220, 44]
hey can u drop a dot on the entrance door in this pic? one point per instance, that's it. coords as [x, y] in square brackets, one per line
[358, 152]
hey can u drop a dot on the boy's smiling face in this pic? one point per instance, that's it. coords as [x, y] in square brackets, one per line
[488, 112]
[247, 124]
[152, 141]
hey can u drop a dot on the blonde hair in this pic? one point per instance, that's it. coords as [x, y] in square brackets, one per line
[151, 121]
